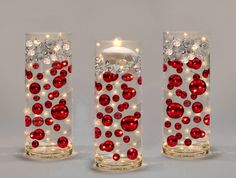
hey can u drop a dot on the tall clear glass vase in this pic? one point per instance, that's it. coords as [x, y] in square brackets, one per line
[186, 95]
[48, 109]
[118, 143]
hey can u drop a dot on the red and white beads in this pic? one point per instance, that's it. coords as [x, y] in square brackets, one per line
[186, 69]
[116, 97]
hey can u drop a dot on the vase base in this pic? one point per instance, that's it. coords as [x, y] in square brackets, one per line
[124, 164]
[48, 152]
[184, 152]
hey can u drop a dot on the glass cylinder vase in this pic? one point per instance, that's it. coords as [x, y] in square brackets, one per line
[48, 109]
[118, 144]
[186, 95]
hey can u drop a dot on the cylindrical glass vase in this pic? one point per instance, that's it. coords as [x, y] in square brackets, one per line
[118, 144]
[48, 109]
[186, 95]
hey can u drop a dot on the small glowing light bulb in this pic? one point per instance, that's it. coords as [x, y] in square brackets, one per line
[186, 131]
[134, 144]
[134, 106]
[137, 50]
[203, 38]
[98, 44]
[185, 34]
[47, 36]
[64, 95]
[117, 143]
[170, 94]
[43, 93]
[117, 42]
[67, 120]
[45, 80]
[169, 130]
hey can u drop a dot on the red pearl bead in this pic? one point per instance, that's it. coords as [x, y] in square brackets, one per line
[53, 72]
[62, 102]
[108, 134]
[49, 121]
[178, 126]
[126, 139]
[164, 67]
[129, 123]
[175, 110]
[197, 87]
[37, 108]
[39, 76]
[206, 73]
[38, 134]
[175, 80]
[98, 86]
[118, 132]
[115, 98]
[109, 87]
[108, 109]
[132, 154]
[168, 101]
[109, 145]
[178, 135]
[195, 133]
[167, 124]
[36, 98]
[70, 68]
[140, 81]
[59, 112]
[185, 120]
[55, 93]
[27, 121]
[206, 119]
[120, 107]
[38, 121]
[137, 115]
[56, 65]
[108, 77]
[56, 127]
[127, 77]
[97, 132]
[104, 99]
[107, 120]
[28, 74]
[64, 63]
[35, 144]
[187, 103]
[116, 157]
[99, 115]
[172, 140]
[126, 105]
[63, 73]
[59, 81]
[117, 115]
[62, 142]
[35, 65]
[197, 119]
[124, 86]
[197, 107]
[50, 96]
[47, 86]
[176, 64]
[187, 142]
[128, 93]
[34, 88]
